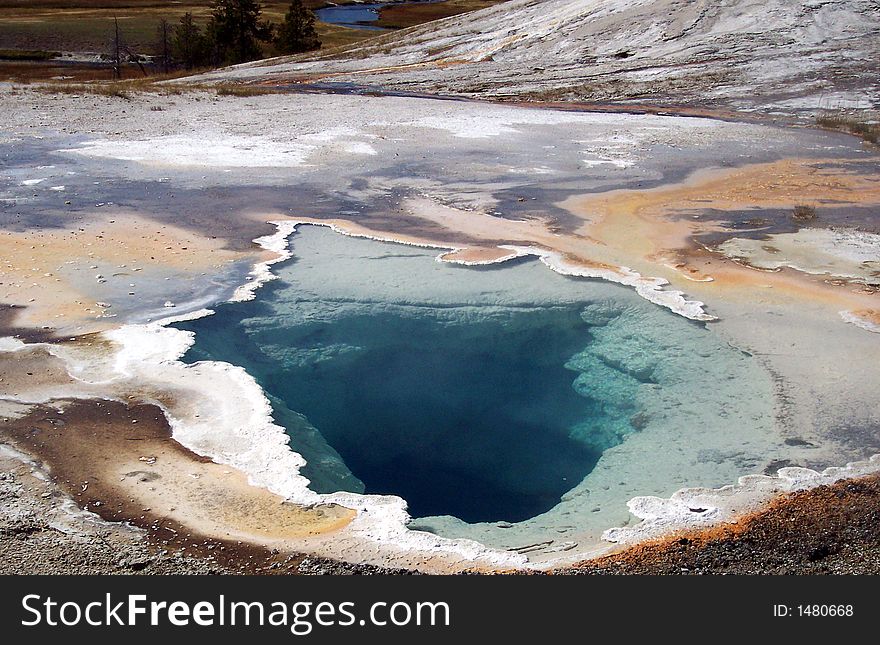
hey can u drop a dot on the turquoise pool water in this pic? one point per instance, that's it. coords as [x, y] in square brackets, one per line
[486, 396]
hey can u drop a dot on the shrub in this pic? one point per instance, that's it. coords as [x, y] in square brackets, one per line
[803, 213]
[868, 131]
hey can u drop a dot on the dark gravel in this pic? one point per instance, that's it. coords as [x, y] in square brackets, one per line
[827, 530]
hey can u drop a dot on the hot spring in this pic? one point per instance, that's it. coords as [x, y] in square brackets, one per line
[503, 403]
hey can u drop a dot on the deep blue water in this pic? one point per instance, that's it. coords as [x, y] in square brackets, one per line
[460, 415]
[485, 394]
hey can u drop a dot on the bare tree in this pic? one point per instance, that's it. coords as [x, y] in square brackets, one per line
[117, 68]
[119, 47]
[164, 45]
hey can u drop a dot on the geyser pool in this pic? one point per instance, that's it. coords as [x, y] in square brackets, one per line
[501, 396]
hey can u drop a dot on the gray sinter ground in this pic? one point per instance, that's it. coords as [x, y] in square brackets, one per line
[364, 165]
[514, 161]
[778, 56]
[234, 174]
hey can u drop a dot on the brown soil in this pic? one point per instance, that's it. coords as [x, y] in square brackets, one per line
[119, 462]
[408, 15]
[826, 530]
[37, 536]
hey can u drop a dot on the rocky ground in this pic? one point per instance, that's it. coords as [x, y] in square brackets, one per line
[826, 530]
[43, 532]
[774, 56]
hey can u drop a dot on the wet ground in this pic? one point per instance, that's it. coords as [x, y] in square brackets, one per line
[492, 175]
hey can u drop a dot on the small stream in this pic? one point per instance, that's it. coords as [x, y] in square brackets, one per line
[358, 16]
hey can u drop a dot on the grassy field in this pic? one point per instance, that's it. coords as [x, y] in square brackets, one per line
[31, 31]
[397, 17]
[87, 25]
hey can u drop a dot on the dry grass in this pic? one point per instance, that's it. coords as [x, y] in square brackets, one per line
[123, 89]
[245, 90]
[401, 16]
[129, 89]
[114, 90]
[803, 213]
[870, 132]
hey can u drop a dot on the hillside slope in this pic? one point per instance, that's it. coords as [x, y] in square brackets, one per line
[787, 55]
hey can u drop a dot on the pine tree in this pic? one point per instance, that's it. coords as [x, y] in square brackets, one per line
[297, 32]
[236, 30]
[188, 45]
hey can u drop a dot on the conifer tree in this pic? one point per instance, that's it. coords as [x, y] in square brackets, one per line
[236, 29]
[297, 32]
[188, 46]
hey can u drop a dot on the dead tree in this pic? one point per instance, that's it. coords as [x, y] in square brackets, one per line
[164, 44]
[117, 68]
